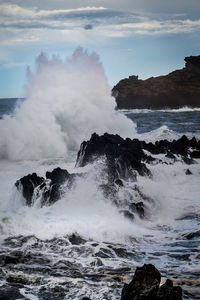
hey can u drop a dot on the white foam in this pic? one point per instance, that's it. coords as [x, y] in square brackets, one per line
[66, 103]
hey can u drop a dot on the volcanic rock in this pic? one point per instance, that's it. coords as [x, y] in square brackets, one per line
[177, 89]
[145, 285]
[50, 188]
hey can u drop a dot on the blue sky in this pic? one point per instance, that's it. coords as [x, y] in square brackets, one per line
[140, 37]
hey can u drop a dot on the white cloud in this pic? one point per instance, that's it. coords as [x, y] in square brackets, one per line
[32, 26]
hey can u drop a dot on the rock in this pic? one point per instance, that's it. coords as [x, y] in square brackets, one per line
[27, 184]
[169, 292]
[123, 157]
[145, 285]
[177, 89]
[192, 235]
[188, 172]
[75, 239]
[121, 160]
[195, 154]
[32, 186]
[138, 208]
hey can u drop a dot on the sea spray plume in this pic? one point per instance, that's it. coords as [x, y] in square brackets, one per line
[66, 103]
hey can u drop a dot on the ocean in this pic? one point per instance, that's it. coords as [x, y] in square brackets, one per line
[81, 245]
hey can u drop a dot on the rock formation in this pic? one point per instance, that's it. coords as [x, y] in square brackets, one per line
[145, 285]
[120, 161]
[177, 89]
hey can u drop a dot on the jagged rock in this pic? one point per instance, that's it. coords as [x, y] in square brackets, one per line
[169, 292]
[145, 285]
[50, 188]
[138, 208]
[177, 89]
[123, 160]
[27, 184]
[123, 156]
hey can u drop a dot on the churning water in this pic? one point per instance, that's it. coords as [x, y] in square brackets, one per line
[82, 245]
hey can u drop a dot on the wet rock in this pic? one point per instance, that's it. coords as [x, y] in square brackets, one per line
[10, 293]
[138, 208]
[192, 235]
[48, 189]
[75, 239]
[195, 154]
[15, 257]
[123, 157]
[169, 292]
[58, 175]
[19, 279]
[145, 285]
[177, 89]
[27, 184]
[188, 172]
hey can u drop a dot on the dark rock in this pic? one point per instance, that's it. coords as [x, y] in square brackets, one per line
[145, 285]
[119, 182]
[27, 184]
[75, 239]
[192, 235]
[195, 154]
[85, 298]
[50, 188]
[17, 279]
[169, 292]
[177, 89]
[58, 175]
[188, 172]
[138, 208]
[123, 157]
[10, 293]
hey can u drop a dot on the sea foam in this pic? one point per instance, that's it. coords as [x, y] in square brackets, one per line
[66, 101]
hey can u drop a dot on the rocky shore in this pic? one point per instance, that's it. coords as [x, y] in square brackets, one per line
[177, 89]
[119, 161]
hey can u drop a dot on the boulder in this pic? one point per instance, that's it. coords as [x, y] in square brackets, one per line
[145, 285]
[177, 89]
[50, 188]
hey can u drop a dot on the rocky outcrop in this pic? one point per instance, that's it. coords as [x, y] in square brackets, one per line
[120, 161]
[48, 189]
[145, 285]
[177, 89]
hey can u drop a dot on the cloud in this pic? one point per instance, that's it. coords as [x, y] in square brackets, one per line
[33, 26]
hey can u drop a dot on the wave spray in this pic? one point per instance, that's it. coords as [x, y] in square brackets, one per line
[66, 102]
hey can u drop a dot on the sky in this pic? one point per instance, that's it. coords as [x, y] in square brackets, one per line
[132, 37]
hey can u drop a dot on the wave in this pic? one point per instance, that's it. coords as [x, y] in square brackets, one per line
[181, 109]
[66, 102]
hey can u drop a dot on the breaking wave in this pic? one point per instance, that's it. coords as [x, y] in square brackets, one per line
[66, 102]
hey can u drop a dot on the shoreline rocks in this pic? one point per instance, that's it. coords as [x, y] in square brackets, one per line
[177, 89]
[122, 160]
[145, 285]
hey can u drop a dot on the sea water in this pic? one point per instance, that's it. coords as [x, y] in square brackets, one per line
[82, 245]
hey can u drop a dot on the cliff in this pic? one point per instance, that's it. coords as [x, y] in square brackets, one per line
[177, 89]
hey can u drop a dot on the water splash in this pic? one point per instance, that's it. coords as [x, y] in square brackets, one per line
[66, 102]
